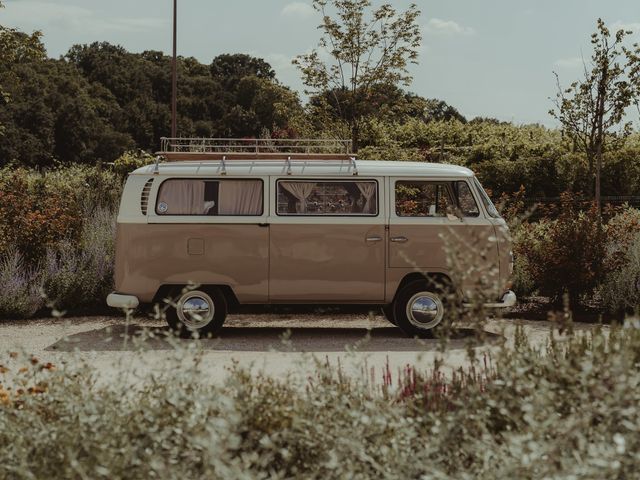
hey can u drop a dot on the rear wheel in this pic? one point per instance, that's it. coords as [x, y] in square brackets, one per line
[198, 313]
[419, 309]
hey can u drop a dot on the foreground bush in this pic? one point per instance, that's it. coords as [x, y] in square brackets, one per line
[570, 411]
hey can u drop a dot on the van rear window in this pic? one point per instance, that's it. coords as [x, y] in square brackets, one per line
[331, 198]
[210, 197]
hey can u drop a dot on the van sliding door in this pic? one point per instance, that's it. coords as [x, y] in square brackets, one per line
[327, 241]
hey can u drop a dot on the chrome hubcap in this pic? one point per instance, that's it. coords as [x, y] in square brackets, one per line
[425, 310]
[195, 309]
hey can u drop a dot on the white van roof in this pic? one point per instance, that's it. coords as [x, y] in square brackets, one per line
[339, 167]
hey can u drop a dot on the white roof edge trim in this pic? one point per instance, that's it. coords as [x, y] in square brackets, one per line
[261, 168]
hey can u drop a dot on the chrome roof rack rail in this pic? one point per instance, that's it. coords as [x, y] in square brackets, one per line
[325, 152]
[255, 145]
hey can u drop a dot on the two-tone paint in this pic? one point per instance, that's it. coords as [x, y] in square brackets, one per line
[275, 258]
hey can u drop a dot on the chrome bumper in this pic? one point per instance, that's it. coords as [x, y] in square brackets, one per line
[508, 300]
[118, 300]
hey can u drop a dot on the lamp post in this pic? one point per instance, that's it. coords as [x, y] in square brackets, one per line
[174, 75]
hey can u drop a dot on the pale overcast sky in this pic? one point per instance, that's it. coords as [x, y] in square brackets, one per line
[489, 58]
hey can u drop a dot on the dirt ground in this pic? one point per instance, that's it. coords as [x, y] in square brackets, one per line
[275, 344]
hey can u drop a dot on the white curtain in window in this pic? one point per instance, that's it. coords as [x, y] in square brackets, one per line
[182, 197]
[300, 190]
[240, 197]
[368, 190]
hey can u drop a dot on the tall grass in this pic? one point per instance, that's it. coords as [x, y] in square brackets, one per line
[19, 287]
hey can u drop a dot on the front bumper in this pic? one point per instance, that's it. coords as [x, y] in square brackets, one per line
[118, 300]
[509, 299]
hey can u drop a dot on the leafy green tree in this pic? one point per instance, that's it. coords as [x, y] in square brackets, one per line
[592, 111]
[232, 67]
[16, 47]
[366, 49]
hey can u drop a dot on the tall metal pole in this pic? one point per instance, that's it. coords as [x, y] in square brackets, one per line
[174, 75]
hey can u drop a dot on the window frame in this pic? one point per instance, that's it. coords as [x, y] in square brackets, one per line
[210, 179]
[326, 180]
[445, 183]
[475, 200]
[393, 180]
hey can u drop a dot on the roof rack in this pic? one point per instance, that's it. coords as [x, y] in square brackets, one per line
[251, 149]
[255, 145]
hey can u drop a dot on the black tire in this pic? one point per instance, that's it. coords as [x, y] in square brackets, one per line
[420, 291]
[187, 325]
[387, 310]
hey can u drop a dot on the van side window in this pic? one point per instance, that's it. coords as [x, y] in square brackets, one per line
[308, 197]
[466, 203]
[210, 197]
[434, 199]
[422, 199]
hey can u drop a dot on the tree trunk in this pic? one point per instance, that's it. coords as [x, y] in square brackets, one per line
[600, 107]
[598, 170]
[355, 137]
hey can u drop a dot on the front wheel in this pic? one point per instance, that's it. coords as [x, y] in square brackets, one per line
[418, 309]
[198, 311]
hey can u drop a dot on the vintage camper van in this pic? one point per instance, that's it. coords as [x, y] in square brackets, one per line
[285, 222]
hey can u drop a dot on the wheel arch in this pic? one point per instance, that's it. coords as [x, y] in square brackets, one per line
[169, 290]
[438, 279]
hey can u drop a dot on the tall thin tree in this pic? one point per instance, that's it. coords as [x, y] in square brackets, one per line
[359, 49]
[593, 111]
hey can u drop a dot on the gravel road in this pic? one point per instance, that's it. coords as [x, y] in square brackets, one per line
[275, 344]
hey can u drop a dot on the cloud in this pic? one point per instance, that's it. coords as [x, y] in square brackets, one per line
[279, 61]
[39, 14]
[633, 26]
[438, 26]
[298, 9]
[571, 62]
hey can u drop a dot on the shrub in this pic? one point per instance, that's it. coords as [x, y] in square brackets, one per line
[514, 416]
[622, 230]
[564, 255]
[78, 275]
[620, 289]
[20, 287]
[131, 160]
[39, 210]
[33, 219]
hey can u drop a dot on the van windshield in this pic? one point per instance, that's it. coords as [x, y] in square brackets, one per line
[488, 204]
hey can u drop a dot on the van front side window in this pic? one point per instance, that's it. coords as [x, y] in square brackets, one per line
[210, 197]
[327, 198]
[434, 199]
[422, 199]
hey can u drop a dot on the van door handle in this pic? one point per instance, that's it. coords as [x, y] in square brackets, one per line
[263, 224]
[374, 239]
[399, 239]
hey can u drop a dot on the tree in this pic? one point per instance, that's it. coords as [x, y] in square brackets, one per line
[232, 67]
[365, 51]
[16, 47]
[592, 110]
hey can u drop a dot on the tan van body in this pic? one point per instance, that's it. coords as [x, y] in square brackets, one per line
[300, 256]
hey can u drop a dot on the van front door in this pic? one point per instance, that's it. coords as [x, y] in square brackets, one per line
[436, 227]
[327, 241]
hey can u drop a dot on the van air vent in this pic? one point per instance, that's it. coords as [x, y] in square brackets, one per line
[144, 198]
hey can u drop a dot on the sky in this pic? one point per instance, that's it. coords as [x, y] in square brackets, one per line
[491, 58]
